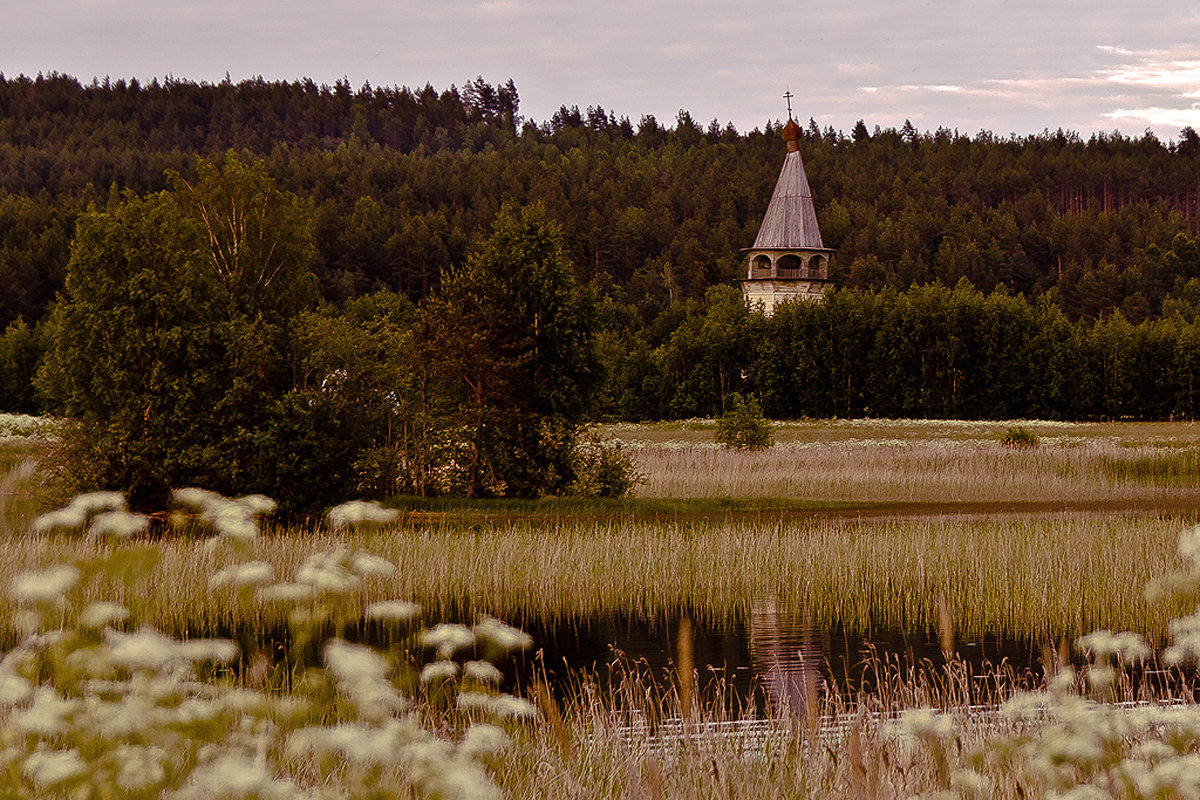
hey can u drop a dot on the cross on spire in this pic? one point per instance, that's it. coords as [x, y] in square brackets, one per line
[788, 96]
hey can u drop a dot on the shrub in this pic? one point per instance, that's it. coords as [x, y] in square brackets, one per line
[1019, 438]
[603, 469]
[743, 426]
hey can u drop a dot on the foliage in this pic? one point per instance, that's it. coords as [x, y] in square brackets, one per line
[603, 469]
[509, 340]
[949, 246]
[743, 426]
[20, 352]
[1019, 438]
[109, 706]
[174, 369]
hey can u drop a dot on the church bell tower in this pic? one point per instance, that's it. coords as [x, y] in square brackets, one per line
[788, 260]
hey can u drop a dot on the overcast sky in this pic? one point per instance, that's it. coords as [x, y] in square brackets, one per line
[1017, 66]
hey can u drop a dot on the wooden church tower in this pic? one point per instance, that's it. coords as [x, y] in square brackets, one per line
[788, 260]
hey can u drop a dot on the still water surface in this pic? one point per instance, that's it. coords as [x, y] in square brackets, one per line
[761, 658]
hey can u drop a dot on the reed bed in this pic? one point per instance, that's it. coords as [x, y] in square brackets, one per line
[641, 737]
[943, 471]
[1062, 575]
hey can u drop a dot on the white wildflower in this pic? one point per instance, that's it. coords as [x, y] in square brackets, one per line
[439, 671]
[482, 672]
[1179, 776]
[1103, 644]
[146, 649]
[363, 675]
[359, 512]
[60, 519]
[48, 715]
[13, 689]
[1189, 544]
[925, 723]
[483, 742]
[234, 519]
[95, 502]
[448, 638]
[235, 524]
[463, 780]
[49, 768]
[373, 745]
[425, 761]
[367, 565]
[195, 498]
[327, 572]
[1153, 751]
[474, 701]
[971, 784]
[393, 610]
[233, 775]
[243, 576]
[45, 586]
[121, 524]
[218, 650]
[517, 709]
[503, 706]
[149, 649]
[257, 504]
[505, 637]
[122, 719]
[350, 662]
[141, 767]
[1101, 678]
[1025, 706]
[27, 622]
[286, 593]
[102, 614]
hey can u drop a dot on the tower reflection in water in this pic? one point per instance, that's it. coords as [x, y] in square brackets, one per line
[788, 657]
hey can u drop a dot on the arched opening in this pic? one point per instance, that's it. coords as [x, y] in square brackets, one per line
[760, 267]
[817, 267]
[788, 266]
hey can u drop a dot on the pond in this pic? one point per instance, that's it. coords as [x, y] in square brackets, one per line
[764, 659]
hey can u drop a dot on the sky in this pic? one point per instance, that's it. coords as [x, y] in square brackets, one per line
[1011, 67]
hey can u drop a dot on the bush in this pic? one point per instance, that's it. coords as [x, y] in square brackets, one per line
[1019, 438]
[603, 469]
[744, 427]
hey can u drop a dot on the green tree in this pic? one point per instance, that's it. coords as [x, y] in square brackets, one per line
[172, 344]
[20, 350]
[510, 338]
[743, 426]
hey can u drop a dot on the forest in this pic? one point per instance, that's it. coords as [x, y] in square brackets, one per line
[977, 275]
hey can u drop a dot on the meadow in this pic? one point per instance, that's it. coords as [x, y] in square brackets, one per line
[895, 524]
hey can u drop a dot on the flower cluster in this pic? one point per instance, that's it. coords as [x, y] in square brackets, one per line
[103, 707]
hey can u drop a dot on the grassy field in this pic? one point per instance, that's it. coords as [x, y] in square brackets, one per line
[906, 524]
[854, 522]
[880, 462]
[1062, 575]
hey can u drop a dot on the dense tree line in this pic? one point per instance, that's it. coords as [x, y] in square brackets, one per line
[189, 348]
[401, 182]
[928, 352]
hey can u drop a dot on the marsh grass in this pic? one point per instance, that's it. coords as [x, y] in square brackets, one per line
[1061, 575]
[639, 736]
[880, 471]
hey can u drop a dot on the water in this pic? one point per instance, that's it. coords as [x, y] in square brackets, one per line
[763, 659]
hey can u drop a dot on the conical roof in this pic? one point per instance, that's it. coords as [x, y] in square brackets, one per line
[791, 221]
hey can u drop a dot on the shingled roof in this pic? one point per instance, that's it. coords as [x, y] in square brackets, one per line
[790, 222]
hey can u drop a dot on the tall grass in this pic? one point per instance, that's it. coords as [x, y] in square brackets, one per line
[942, 469]
[640, 738]
[1058, 575]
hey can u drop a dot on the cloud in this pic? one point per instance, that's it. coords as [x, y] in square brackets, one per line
[1157, 116]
